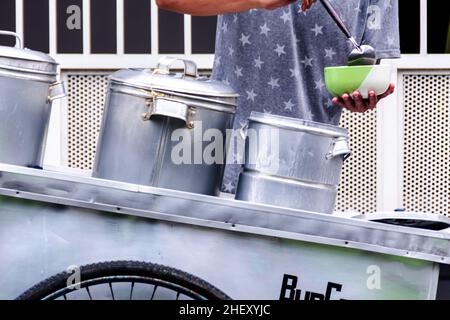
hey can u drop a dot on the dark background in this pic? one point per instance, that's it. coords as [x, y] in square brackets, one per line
[171, 40]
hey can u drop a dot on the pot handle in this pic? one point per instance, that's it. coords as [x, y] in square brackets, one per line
[339, 147]
[172, 109]
[57, 91]
[165, 65]
[19, 42]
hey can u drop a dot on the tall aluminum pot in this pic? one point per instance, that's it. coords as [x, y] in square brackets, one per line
[28, 85]
[292, 163]
[157, 127]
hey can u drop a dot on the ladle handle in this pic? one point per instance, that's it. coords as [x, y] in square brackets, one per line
[336, 18]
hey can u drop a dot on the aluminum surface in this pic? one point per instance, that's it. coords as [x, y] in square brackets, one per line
[260, 188]
[219, 213]
[163, 134]
[38, 240]
[298, 125]
[24, 116]
[28, 85]
[27, 64]
[175, 82]
[298, 151]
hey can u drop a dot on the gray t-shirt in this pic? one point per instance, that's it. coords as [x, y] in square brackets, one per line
[275, 59]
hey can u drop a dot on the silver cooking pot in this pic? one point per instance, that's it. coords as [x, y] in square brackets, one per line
[292, 163]
[157, 127]
[28, 86]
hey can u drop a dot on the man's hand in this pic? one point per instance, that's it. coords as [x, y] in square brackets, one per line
[214, 7]
[356, 103]
[274, 4]
[306, 4]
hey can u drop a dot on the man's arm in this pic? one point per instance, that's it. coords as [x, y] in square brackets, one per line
[215, 7]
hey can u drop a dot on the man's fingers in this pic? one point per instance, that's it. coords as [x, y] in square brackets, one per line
[373, 100]
[389, 91]
[306, 4]
[344, 102]
[360, 105]
[338, 101]
[348, 102]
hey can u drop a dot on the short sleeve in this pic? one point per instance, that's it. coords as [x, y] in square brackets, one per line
[382, 28]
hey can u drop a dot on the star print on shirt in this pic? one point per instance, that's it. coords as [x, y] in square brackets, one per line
[244, 39]
[226, 81]
[329, 53]
[228, 187]
[319, 84]
[286, 16]
[293, 73]
[329, 104]
[258, 62]
[251, 95]
[267, 111]
[280, 50]
[238, 72]
[288, 105]
[317, 30]
[235, 18]
[225, 27]
[358, 10]
[217, 60]
[230, 51]
[274, 83]
[264, 29]
[307, 62]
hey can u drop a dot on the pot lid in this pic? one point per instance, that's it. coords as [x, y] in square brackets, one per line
[20, 59]
[417, 220]
[164, 78]
[298, 124]
[175, 82]
[25, 54]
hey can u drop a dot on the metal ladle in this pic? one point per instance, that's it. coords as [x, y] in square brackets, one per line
[362, 54]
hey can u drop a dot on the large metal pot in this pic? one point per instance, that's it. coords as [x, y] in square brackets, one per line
[28, 85]
[148, 116]
[292, 163]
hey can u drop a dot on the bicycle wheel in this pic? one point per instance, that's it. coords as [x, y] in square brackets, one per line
[124, 280]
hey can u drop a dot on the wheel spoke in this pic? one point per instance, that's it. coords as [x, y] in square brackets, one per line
[178, 295]
[112, 292]
[131, 292]
[89, 293]
[65, 297]
[153, 294]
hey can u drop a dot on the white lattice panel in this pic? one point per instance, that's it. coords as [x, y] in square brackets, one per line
[358, 187]
[426, 180]
[86, 93]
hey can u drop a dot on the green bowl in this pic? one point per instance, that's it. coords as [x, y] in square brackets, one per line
[347, 79]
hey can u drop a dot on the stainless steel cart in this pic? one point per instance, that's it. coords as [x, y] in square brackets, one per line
[52, 220]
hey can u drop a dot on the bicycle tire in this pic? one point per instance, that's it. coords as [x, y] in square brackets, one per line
[49, 288]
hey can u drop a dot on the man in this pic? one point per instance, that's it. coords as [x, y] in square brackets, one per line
[273, 52]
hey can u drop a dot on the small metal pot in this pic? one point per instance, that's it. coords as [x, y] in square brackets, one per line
[146, 113]
[292, 163]
[28, 86]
